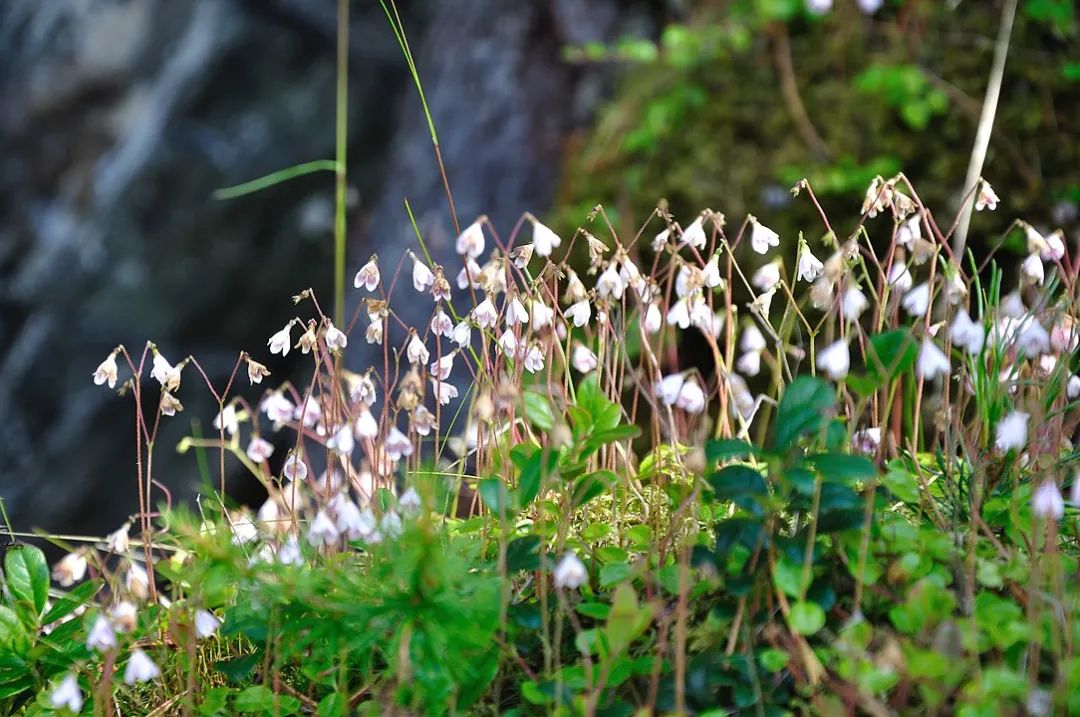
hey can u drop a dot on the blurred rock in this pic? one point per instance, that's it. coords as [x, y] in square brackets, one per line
[119, 117]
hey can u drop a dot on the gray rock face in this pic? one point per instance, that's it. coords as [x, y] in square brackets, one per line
[119, 117]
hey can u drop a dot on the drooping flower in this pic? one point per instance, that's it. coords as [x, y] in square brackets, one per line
[471, 241]
[485, 314]
[516, 313]
[917, 301]
[422, 277]
[281, 342]
[342, 441]
[669, 387]
[322, 530]
[295, 468]
[397, 444]
[867, 440]
[1072, 389]
[679, 314]
[336, 340]
[691, 397]
[259, 449]
[909, 232]
[444, 392]
[570, 572]
[932, 361]
[368, 276]
[70, 569]
[137, 581]
[1011, 431]
[853, 303]
[654, 320]
[106, 371]
[118, 541]
[101, 637]
[966, 333]
[170, 405]
[67, 694]
[749, 363]
[410, 502]
[140, 668]
[986, 198]
[1031, 270]
[809, 266]
[542, 315]
[870, 6]
[819, 7]
[694, 235]
[752, 339]
[544, 240]
[835, 359]
[416, 352]
[580, 313]
[206, 624]
[900, 277]
[462, 335]
[509, 343]
[583, 359]
[1046, 501]
[469, 275]
[761, 237]
[165, 373]
[767, 276]
[534, 359]
[1033, 339]
[228, 419]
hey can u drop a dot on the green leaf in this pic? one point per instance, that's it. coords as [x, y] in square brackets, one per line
[728, 449]
[495, 496]
[890, 354]
[843, 468]
[614, 574]
[538, 410]
[214, 701]
[612, 435]
[788, 576]
[10, 626]
[239, 668]
[71, 602]
[804, 407]
[738, 482]
[806, 618]
[28, 576]
[595, 610]
[259, 698]
[523, 553]
[333, 705]
[773, 660]
[590, 486]
[533, 470]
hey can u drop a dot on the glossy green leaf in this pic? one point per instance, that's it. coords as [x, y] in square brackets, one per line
[28, 576]
[806, 618]
[805, 406]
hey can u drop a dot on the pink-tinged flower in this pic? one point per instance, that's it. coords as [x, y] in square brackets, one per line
[106, 371]
[583, 359]
[289, 552]
[140, 668]
[281, 342]
[867, 440]
[1011, 432]
[368, 276]
[1072, 389]
[1046, 501]
[101, 637]
[580, 313]
[259, 449]
[342, 441]
[322, 530]
[422, 278]
[570, 572]
[295, 468]
[610, 284]
[462, 335]
[366, 426]
[485, 314]
[909, 232]
[986, 198]
[441, 324]
[471, 241]
[335, 338]
[70, 569]
[397, 444]
[835, 359]
[165, 373]
[422, 421]
[277, 408]
[509, 343]
[469, 275]
[444, 392]
[516, 313]
[534, 359]
[67, 694]
[1032, 339]
[932, 361]
[544, 240]
[416, 352]
[441, 369]
[1031, 270]
[169, 405]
